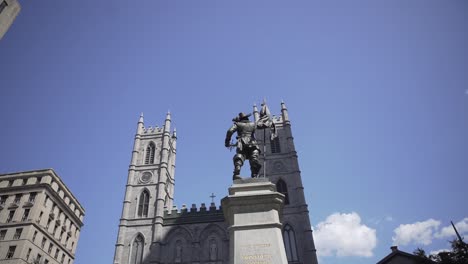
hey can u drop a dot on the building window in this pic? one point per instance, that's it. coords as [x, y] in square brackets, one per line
[3, 5]
[143, 204]
[73, 244]
[136, 256]
[48, 223]
[282, 188]
[2, 234]
[44, 240]
[32, 197]
[10, 183]
[39, 180]
[40, 216]
[24, 182]
[11, 252]
[56, 254]
[63, 258]
[38, 258]
[275, 145]
[290, 243]
[10, 216]
[149, 158]
[46, 261]
[34, 236]
[28, 254]
[3, 199]
[51, 246]
[46, 199]
[17, 199]
[18, 232]
[25, 215]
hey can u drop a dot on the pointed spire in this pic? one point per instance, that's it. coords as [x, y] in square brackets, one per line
[167, 123]
[140, 125]
[284, 113]
[255, 112]
[174, 133]
[141, 118]
[283, 105]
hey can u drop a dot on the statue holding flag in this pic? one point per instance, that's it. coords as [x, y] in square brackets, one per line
[246, 145]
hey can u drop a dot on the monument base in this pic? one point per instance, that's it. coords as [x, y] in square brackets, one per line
[252, 210]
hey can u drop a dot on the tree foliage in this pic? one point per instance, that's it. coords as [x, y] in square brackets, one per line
[458, 254]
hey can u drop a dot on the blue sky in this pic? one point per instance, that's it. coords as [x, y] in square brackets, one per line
[376, 90]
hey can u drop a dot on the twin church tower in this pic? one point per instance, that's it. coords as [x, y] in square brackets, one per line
[153, 230]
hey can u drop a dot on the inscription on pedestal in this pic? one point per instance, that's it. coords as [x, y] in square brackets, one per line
[255, 254]
[252, 210]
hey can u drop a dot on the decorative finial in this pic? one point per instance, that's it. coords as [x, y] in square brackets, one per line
[212, 197]
[168, 115]
[141, 118]
[284, 112]
[283, 105]
[174, 133]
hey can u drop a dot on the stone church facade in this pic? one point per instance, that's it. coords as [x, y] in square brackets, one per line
[153, 230]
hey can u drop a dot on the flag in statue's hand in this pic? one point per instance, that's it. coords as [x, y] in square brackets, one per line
[265, 120]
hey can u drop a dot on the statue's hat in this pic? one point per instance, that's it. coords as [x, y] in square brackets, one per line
[242, 116]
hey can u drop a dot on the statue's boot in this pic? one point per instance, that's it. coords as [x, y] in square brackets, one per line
[236, 175]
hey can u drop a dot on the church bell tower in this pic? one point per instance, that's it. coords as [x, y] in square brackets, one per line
[281, 167]
[149, 189]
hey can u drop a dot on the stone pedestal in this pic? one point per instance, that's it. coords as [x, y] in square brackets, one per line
[252, 211]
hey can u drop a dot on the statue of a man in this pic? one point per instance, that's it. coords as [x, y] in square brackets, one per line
[246, 146]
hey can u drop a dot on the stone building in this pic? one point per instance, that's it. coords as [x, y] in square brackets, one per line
[40, 219]
[9, 9]
[153, 230]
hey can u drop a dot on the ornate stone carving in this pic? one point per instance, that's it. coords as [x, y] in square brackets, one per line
[145, 177]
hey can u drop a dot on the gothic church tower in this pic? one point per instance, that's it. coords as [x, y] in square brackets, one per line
[149, 189]
[282, 168]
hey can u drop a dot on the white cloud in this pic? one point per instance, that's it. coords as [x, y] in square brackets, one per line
[416, 233]
[448, 231]
[378, 221]
[344, 235]
[435, 252]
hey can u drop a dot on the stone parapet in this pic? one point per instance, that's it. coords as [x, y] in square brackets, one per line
[193, 215]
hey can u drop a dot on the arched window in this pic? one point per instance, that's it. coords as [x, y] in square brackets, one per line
[275, 145]
[149, 157]
[289, 238]
[143, 204]
[282, 188]
[136, 256]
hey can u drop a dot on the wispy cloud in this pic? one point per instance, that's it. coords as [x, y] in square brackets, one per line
[377, 221]
[343, 235]
[416, 233]
[448, 231]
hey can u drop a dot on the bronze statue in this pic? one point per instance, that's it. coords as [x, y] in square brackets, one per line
[246, 146]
